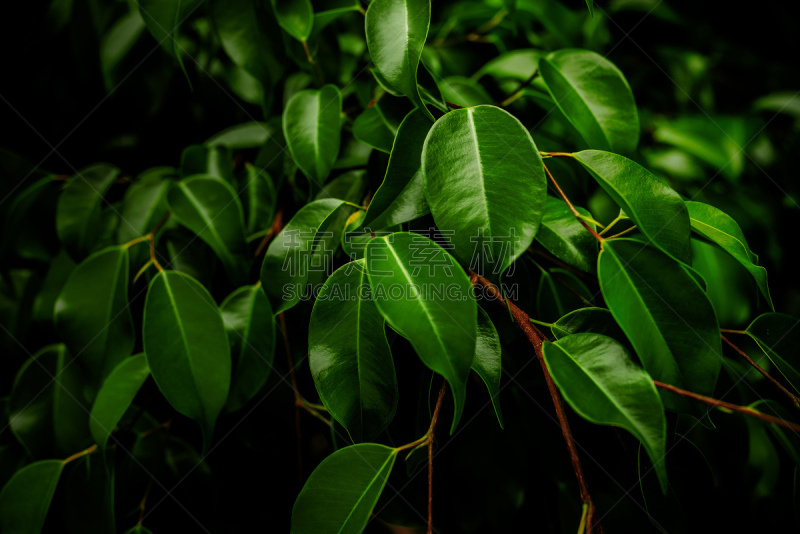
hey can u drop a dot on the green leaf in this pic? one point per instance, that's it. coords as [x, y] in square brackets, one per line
[295, 16]
[164, 19]
[311, 126]
[250, 324]
[566, 238]
[92, 313]
[590, 6]
[436, 309]
[396, 31]
[777, 335]
[118, 42]
[349, 355]
[79, 209]
[464, 91]
[657, 210]
[144, 203]
[517, 65]
[473, 162]
[285, 269]
[588, 320]
[598, 379]
[245, 135]
[372, 128]
[26, 498]
[210, 208]
[487, 363]
[717, 226]
[260, 199]
[342, 491]
[595, 97]
[664, 313]
[401, 196]
[187, 347]
[116, 396]
[560, 292]
[216, 161]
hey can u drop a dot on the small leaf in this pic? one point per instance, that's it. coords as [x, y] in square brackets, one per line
[518, 65]
[250, 324]
[349, 355]
[26, 498]
[116, 396]
[245, 135]
[566, 238]
[601, 383]
[342, 491]
[487, 362]
[473, 161]
[396, 31]
[373, 129]
[595, 97]
[657, 210]
[311, 126]
[441, 326]
[187, 347]
[777, 335]
[295, 16]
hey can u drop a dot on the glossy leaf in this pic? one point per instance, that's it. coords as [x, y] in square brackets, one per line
[595, 97]
[396, 31]
[464, 91]
[342, 491]
[777, 335]
[441, 326]
[248, 319]
[116, 396]
[487, 363]
[373, 129]
[566, 238]
[209, 208]
[311, 125]
[474, 160]
[657, 210]
[187, 347]
[79, 208]
[26, 498]
[598, 379]
[295, 16]
[349, 355]
[717, 226]
[401, 196]
[588, 320]
[144, 203]
[664, 313]
[98, 330]
[247, 135]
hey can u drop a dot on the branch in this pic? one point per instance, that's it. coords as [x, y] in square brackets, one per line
[794, 398]
[431, 430]
[571, 207]
[277, 224]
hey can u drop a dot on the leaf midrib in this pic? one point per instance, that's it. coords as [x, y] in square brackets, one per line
[391, 456]
[209, 222]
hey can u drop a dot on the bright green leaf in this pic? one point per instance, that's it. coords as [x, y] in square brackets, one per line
[116, 396]
[565, 237]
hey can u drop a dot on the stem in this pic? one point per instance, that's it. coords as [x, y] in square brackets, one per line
[795, 399]
[556, 154]
[431, 430]
[725, 330]
[313, 63]
[516, 93]
[541, 323]
[728, 406]
[622, 233]
[571, 207]
[298, 401]
[143, 502]
[610, 225]
[277, 224]
[77, 455]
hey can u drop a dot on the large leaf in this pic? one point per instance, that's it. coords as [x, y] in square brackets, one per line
[441, 325]
[349, 355]
[311, 126]
[342, 491]
[657, 210]
[187, 347]
[78, 215]
[598, 379]
[396, 31]
[248, 318]
[210, 208]
[116, 396]
[778, 335]
[295, 16]
[26, 498]
[717, 226]
[401, 196]
[164, 19]
[565, 237]
[474, 161]
[665, 314]
[487, 363]
[595, 97]
[97, 329]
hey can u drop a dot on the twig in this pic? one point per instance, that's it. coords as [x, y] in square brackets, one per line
[571, 207]
[794, 398]
[313, 63]
[277, 224]
[431, 431]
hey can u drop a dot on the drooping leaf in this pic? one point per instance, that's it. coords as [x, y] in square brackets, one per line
[474, 160]
[598, 379]
[248, 319]
[311, 125]
[187, 347]
[372, 128]
[441, 326]
[664, 313]
[295, 16]
[487, 362]
[566, 238]
[719, 227]
[210, 208]
[657, 210]
[595, 97]
[144, 203]
[349, 355]
[778, 336]
[79, 209]
[259, 198]
[342, 491]
[396, 31]
[26, 498]
[97, 329]
[164, 19]
[116, 396]
[401, 196]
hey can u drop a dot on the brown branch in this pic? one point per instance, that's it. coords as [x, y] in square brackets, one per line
[277, 225]
[431, 430]
[794, 398]
[571, 207]
[454, 106]
[313, 63]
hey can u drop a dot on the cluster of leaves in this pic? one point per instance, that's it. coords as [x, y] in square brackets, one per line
[397, 161]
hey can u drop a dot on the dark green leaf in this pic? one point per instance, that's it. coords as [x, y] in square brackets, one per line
[260, 198]
[118, 42]
[373, 129]
[487, 362]
[565, 237]
[559, 293]
[164, 19]
[241, 136]
[144, 203]
[777, 335]
[26, 498]
[215, 160]
[295, 16]
[464, 91]
[518, 65]
[588, 320]
[116, 396]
